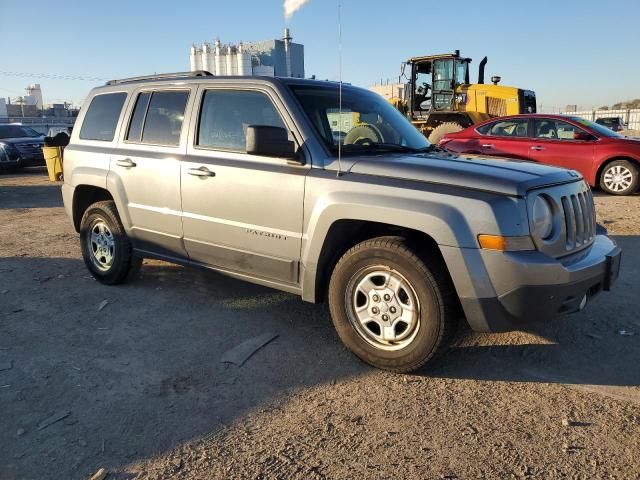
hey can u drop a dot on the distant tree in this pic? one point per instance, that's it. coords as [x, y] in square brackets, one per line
[604, 107]
[628, 104]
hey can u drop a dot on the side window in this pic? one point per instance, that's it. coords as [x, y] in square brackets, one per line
[101, 118]
[137, 120]
[225, 116]
[484, 129]
[556, 129]
[507, 128]
[157, 118]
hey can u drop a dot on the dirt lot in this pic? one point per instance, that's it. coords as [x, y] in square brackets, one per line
[146, 396]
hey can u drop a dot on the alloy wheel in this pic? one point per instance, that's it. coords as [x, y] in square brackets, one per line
[383, 307]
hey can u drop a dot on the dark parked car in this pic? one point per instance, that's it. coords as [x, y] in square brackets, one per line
[602, 156]
[613, 123]
[20, 146]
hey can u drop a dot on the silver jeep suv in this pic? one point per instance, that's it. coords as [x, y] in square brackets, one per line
[329, 193]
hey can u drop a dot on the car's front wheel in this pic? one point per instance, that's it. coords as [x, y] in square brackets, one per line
[392, 308]
[620, 177]
[106, 249]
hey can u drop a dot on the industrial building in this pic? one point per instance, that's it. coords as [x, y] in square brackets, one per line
[29, 105]
[279, 58]
[390, 90]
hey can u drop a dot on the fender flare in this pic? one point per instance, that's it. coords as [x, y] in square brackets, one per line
[442, 222]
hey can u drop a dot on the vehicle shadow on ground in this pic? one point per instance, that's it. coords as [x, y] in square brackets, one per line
[142, 373]
[597, 192]
[138, 367]
[30, 196]
[14, 193]
[585, 348]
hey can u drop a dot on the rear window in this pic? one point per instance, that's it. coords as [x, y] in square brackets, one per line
[101, 118]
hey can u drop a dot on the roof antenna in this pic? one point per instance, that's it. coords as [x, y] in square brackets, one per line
[339, 88]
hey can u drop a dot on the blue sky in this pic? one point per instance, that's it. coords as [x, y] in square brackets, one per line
[568, 51]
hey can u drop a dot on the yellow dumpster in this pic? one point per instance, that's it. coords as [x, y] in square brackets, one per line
[53, 157]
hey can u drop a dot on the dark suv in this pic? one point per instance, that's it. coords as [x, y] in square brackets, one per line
[613, 123]
[20, 146]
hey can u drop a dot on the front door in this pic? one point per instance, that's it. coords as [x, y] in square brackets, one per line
[443, 84]
[241, 213]
[145, 170]
[554, 143]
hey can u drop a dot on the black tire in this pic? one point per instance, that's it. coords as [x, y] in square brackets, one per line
[620, 166]
[124, 265]
[431, 284]
[441, 130]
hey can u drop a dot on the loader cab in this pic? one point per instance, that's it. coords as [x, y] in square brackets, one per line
[434, 80]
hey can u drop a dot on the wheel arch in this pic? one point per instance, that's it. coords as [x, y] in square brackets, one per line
[436, 119]
[83, 197]
[346, 233]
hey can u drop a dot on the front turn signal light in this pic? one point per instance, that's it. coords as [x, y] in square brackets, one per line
[505, 244]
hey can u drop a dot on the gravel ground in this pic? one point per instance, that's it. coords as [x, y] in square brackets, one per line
[142, 391]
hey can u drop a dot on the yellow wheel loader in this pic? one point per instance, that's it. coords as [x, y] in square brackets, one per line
[440, 99]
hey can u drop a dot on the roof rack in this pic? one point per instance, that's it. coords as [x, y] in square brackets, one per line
[197, 73]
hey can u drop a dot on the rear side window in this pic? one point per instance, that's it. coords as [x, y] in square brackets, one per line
[157, 118]
[135, 127]
[225, 116]
[101, 118]
[506, 128]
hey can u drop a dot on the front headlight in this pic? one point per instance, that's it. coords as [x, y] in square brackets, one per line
[542, 218]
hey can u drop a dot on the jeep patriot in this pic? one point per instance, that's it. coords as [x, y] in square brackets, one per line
[328, 192]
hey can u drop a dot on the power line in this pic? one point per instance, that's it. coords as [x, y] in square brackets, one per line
[51, 76]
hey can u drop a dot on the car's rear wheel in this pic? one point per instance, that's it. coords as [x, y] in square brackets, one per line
[392, 308]
[106, 249]
[619, 177]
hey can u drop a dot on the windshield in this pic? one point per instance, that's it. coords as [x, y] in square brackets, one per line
[17, 131]
[367, 122]
[599, 129]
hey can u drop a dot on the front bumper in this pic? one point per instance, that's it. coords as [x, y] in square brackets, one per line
[9, 164]
[34, 160]
[518, 288]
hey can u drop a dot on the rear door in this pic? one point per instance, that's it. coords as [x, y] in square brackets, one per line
[145, 168]
[554, 144]
[241, 213]
[506, 138]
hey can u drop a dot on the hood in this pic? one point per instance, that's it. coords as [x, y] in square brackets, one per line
[635, 141]
[23, 140]
[491, 174]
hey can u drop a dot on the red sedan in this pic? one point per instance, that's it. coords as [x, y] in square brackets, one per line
[602, 156]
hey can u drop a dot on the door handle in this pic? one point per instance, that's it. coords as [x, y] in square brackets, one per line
[537, 148]
[127, 163]
[201, 172]
[488, 145]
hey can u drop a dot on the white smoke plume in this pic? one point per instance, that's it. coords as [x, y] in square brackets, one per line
[292, 6]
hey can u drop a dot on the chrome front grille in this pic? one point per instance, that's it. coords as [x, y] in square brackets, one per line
[29, 149]
[579, 219]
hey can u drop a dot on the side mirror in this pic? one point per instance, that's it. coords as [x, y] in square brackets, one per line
[269, 142]
[583, 136]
